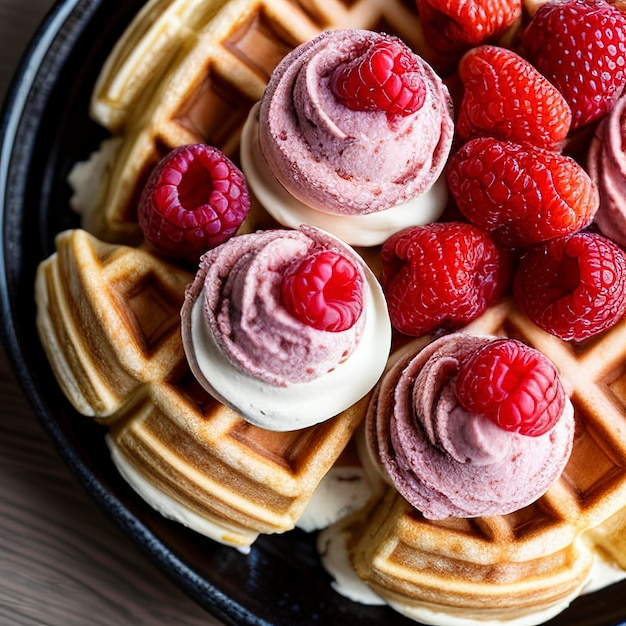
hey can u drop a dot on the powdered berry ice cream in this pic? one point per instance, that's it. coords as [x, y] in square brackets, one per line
[247, 347]
[343, 162]
[607, 167]
[446, 460]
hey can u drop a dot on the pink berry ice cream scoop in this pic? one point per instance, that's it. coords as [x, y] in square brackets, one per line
[288, 327]
[470, 426]
[606, 163]
[340, 159]
[353, 123]
[244, 306]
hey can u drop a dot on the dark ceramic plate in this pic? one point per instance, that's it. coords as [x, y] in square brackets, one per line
[45, 129]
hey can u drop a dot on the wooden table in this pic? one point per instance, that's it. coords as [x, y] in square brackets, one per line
[62, 561]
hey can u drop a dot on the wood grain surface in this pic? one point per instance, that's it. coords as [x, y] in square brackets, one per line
[62, 561]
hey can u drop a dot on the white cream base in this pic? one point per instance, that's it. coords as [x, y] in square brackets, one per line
[602, 575]
[87, 176]
[331, 546]
[302, 404]
[342, 491]
[357, 230]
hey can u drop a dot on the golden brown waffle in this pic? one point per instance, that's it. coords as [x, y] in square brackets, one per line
[504, 567]
[188, 71]
[108, 317]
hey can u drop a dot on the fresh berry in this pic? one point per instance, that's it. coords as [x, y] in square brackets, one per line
[194, 199]
[451, 26]
[573, 287]
[512, 384]
[505, 97]
[387, 76]
[440, 276]
[522, 195]
[580, 47]
[325, 291]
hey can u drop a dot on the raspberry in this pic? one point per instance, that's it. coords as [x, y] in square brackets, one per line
[515, 386]
[452, 27]
[384, 77]
[521, 195]
[573, 287]
[580, 47]
[440, 276]
[523, 106]
[325, 291]
[194, 200]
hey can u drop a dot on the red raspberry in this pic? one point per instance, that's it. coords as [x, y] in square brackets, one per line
[521, 195]
[442, 275]
[573, 287]
[580, 47]
[195, 199]
[507, 98]
[452, 27]
[384, 77]
[515, 386]
[325, 291]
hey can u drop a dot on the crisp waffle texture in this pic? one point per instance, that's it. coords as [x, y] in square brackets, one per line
[109, 320]
[108, 317]
[504, 567]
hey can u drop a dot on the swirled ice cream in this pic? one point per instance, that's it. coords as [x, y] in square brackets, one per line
[252, 354]
[606, 161]
[446, 461]
[362, 174]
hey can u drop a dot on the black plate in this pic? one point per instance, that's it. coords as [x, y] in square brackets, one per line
[45, 129]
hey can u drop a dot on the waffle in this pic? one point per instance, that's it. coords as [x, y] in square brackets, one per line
[188, 71]
[533, 561]
[108, 316]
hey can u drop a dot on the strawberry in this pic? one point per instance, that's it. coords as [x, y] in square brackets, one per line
[573, 287]
[194, 200]
[324, 291]
[520, 194]
[580, 46]
[442, 275]
[506, 97]
[451, 26]
[386, 76]
[515, 386]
